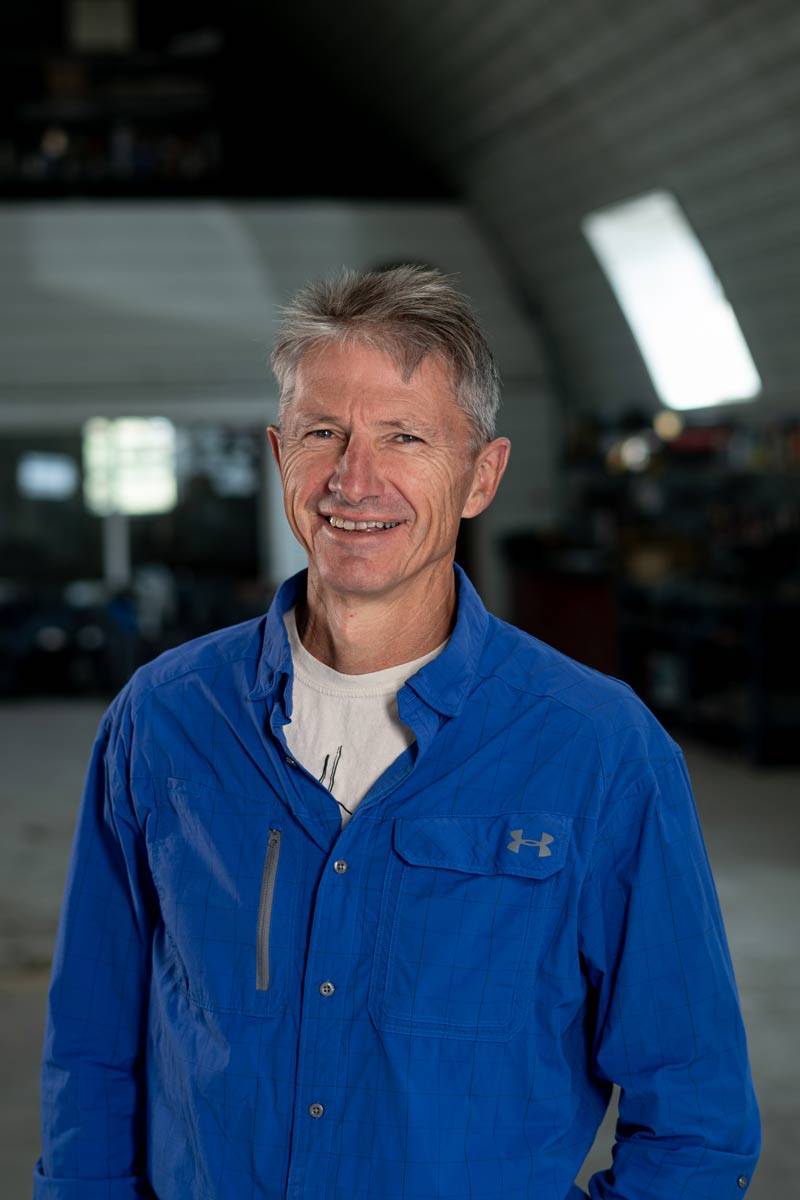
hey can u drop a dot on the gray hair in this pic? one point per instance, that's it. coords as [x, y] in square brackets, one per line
[406, 311]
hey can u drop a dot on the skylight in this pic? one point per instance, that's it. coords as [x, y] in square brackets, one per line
[673, 301]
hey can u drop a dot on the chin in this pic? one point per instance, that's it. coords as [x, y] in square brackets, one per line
[358, 578]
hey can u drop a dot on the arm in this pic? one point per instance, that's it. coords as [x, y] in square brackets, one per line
[668, 1027]
[92, 1080]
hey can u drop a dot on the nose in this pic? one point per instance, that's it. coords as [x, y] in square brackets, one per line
[356, 477]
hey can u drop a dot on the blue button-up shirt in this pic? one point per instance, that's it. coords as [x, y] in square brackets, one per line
[431, 1003]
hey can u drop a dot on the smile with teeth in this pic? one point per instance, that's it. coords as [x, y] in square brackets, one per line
[359, 526]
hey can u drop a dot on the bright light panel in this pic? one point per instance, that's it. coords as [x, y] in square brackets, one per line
[673, 301]
[129, 465]
[47, 476]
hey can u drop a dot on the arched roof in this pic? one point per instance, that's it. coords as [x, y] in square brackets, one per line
[537, 113]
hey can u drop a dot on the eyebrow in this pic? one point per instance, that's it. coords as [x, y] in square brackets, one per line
[321, 418]
[410, 423]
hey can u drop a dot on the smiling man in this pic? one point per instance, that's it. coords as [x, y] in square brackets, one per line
[376, 896]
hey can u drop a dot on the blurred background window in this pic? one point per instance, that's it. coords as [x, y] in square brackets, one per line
[47, 476]
[129, 465]
[673, 301]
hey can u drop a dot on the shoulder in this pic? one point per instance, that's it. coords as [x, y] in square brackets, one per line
[615, 723]
[214, 652]
[534, 667]
[167, 698]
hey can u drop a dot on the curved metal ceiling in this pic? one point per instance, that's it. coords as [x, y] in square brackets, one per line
[537, 113]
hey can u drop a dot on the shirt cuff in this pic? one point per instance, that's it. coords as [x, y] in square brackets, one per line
[129, 1187]
[689, 1171]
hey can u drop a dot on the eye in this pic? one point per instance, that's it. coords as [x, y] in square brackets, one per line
[406, 439]
[321, 434]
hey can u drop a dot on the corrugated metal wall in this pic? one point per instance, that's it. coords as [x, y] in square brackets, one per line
[541, 112]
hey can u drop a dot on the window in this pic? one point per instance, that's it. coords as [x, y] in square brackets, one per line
[673, 301]
[47, 476]
[129, 465]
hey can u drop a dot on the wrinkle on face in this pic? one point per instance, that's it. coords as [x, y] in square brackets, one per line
[359, 441]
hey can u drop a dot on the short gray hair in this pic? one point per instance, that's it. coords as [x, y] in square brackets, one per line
[406, 311]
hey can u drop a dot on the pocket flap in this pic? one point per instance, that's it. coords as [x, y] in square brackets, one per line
[520, 843]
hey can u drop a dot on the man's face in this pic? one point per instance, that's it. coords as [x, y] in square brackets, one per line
[358, 444]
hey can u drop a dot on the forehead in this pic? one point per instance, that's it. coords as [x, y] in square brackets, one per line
[357, 376]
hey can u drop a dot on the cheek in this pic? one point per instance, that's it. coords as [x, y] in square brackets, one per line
[446, 491]
[301, 480]
[438, 495]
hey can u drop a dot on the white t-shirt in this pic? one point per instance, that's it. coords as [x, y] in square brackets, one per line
[345, 729]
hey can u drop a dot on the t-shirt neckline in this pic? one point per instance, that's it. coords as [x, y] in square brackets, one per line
[322, 678]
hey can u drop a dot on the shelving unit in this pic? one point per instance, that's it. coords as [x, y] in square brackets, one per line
[684, 580]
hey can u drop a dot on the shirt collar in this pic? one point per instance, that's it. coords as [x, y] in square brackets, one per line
[275, 658]
[444, 683]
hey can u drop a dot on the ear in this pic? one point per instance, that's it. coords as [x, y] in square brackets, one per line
[488, 470]
[274, 437]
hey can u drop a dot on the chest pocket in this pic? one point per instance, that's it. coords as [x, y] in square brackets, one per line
[465, 904]
[226, 873]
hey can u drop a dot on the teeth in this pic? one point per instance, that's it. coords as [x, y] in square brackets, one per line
[341, 523]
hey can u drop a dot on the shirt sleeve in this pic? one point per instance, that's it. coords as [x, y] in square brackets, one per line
[92, 1077]
[667, 1024]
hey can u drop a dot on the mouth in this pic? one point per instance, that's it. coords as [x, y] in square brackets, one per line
[360, 527]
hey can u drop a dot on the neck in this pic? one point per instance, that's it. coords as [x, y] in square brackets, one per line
[356, 634]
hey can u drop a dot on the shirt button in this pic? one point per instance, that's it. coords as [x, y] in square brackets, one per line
[742, 1181]
[290, 762]
[340, 866]
[327, 988]
[316, 1109]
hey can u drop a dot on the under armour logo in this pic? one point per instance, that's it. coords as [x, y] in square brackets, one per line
[543, 843]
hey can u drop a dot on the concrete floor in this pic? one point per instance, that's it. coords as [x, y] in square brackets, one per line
[751, 821]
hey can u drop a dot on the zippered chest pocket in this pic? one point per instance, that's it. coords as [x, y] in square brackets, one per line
[465, 908]
[226, 876]
[268, 877]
